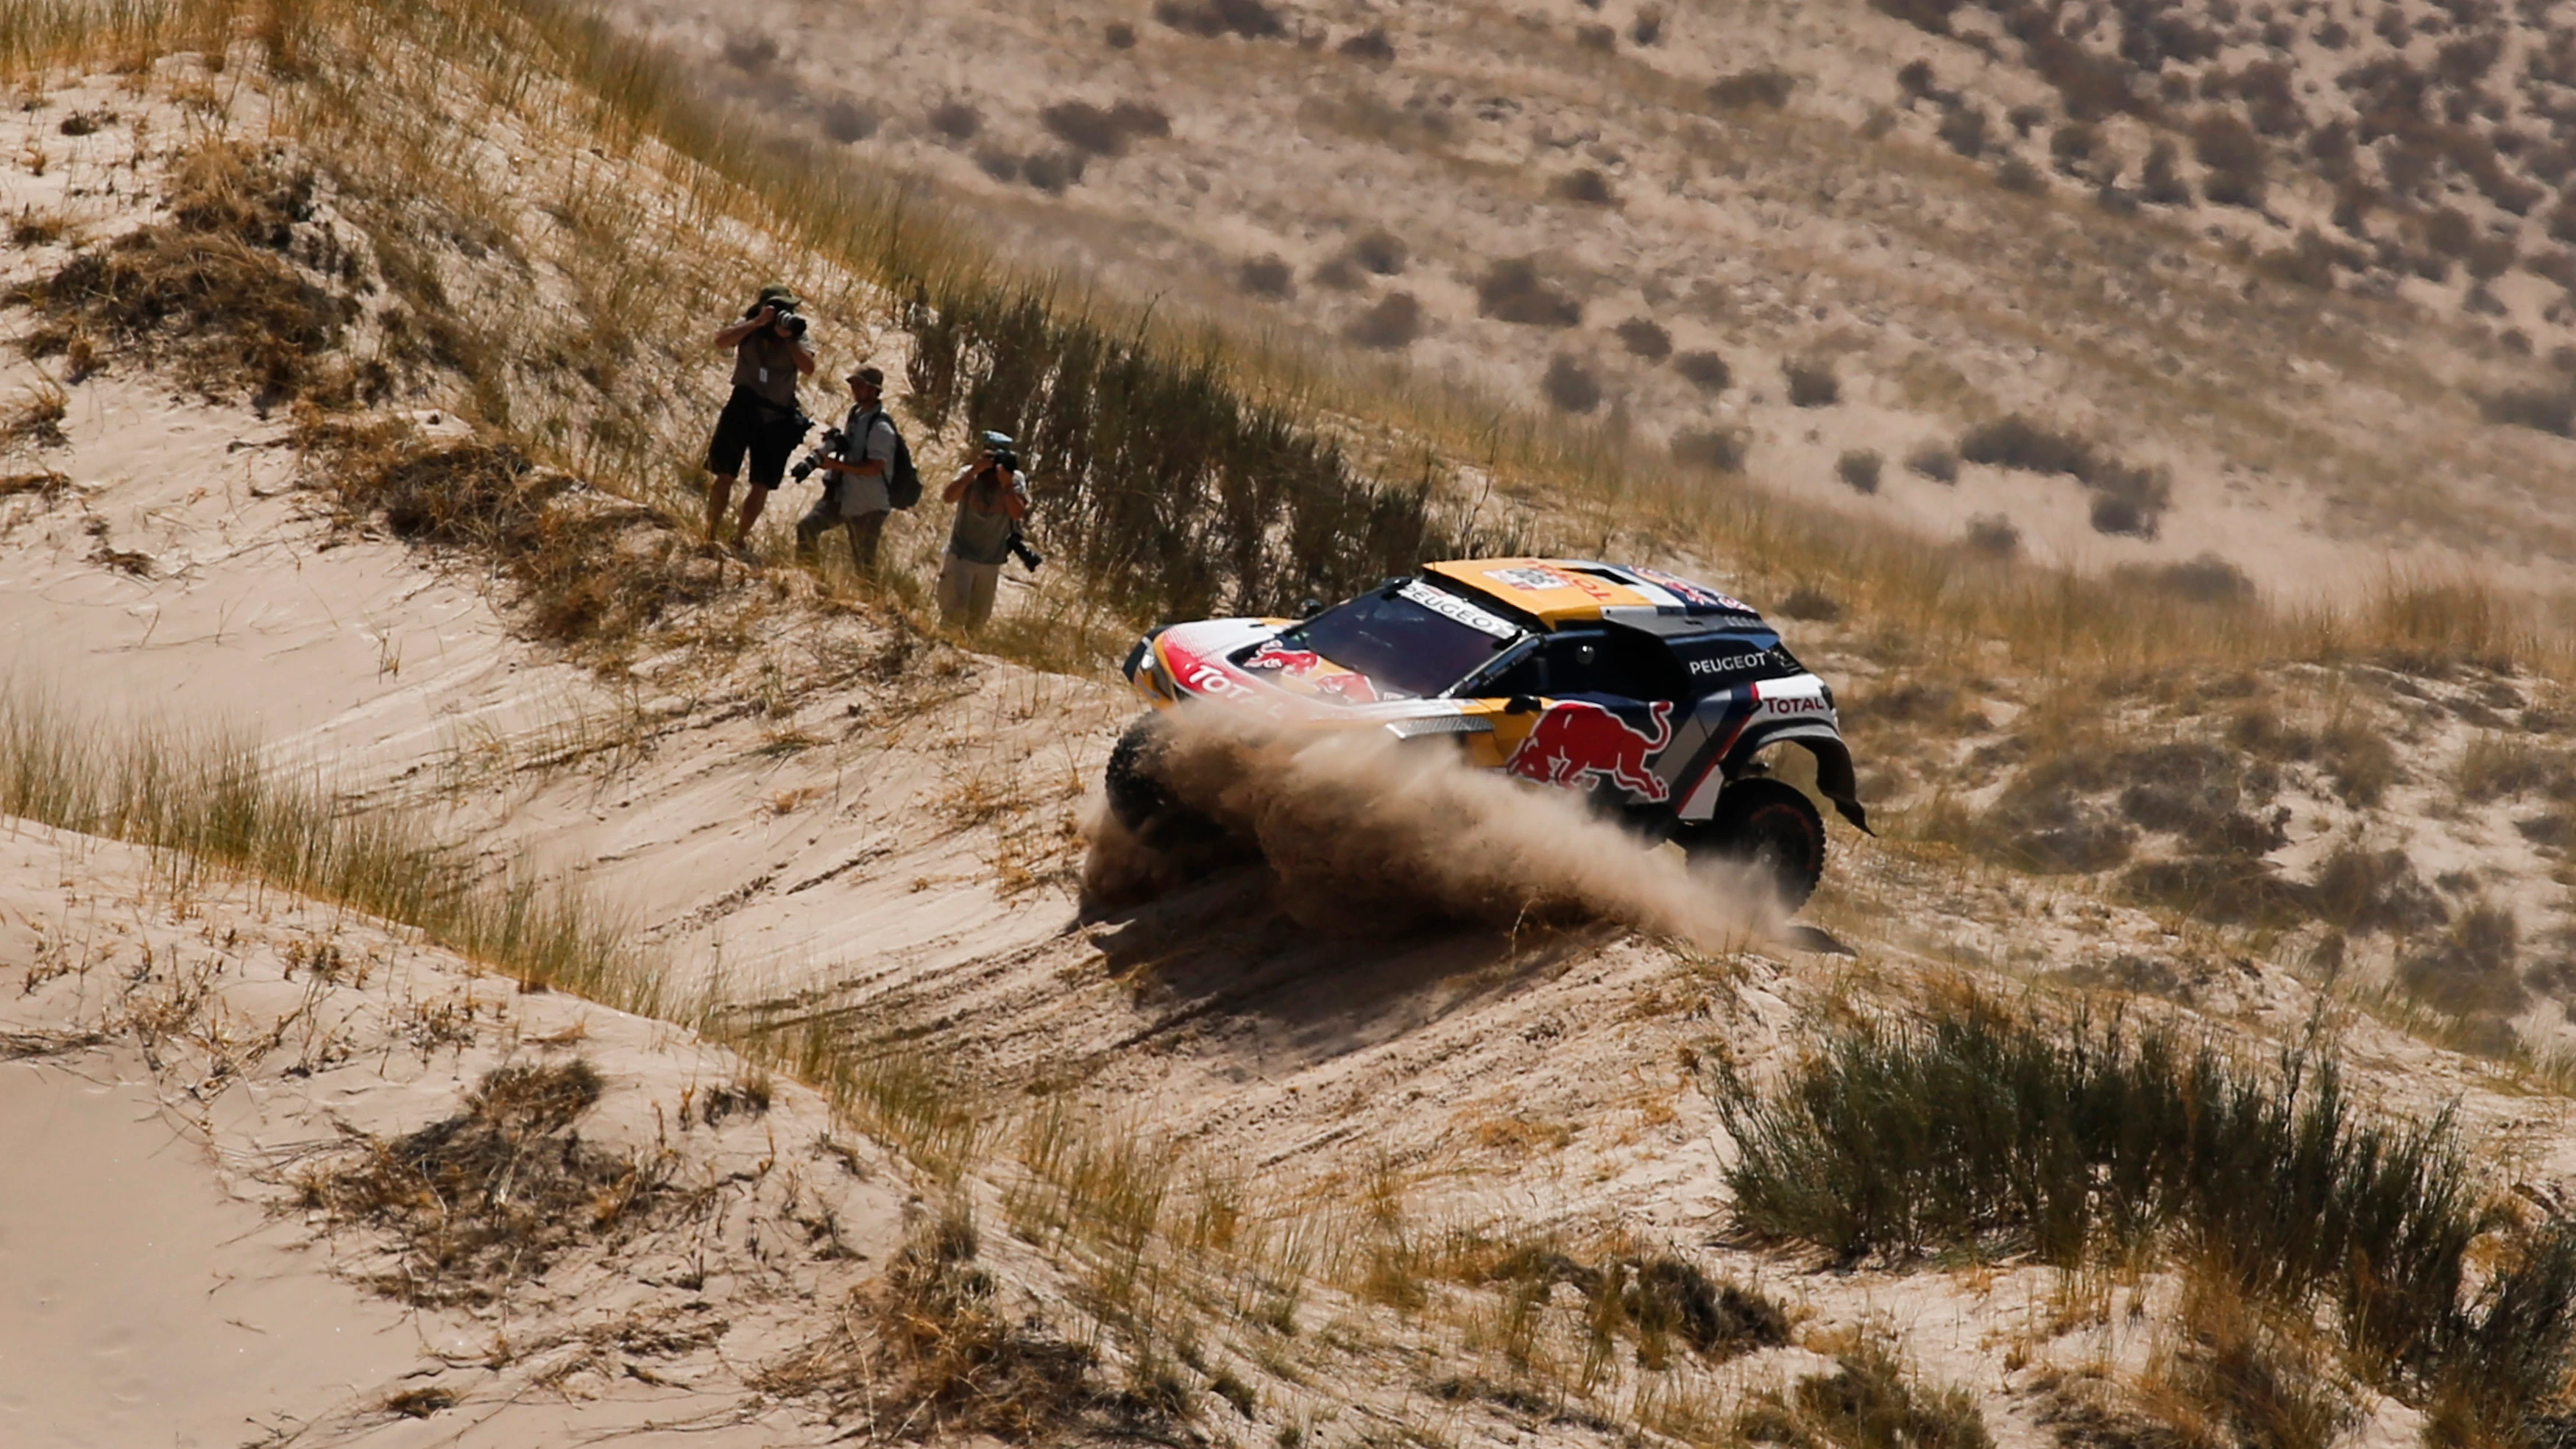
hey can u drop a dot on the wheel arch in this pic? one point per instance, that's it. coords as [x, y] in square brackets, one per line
[1836, 780]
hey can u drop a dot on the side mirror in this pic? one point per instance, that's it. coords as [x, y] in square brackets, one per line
[1520, 704]
[1310, 608]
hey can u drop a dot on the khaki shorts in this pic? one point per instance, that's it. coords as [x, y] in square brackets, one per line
[967, 589]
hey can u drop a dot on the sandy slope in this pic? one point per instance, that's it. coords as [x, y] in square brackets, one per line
[161, 1282]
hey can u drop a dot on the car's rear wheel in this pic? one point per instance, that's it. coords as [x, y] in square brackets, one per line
[1138, 794]
[1767, 825]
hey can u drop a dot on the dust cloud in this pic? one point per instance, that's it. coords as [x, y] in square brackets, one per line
[1367, 835]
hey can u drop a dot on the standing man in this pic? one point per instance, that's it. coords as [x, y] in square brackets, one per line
[991, 499]
[855, 495]
[760, 418]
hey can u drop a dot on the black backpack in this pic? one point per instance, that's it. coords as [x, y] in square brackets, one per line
[902, 480]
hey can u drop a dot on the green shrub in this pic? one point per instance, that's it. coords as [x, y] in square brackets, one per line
[1981, 1129]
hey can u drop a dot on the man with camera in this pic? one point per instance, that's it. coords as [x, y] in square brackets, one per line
[855, 494]
[761, 418]
[991, 499]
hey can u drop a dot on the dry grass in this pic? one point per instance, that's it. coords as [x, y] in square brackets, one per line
[483, 1200]
[206, 802]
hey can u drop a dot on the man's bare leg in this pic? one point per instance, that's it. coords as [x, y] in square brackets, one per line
[752, 503]
[719, 493]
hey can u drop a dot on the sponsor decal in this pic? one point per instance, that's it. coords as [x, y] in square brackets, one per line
[1576, 745]
[1531, 577]
[1808, 704]
[1348, 688]
[1274, 655]
[1730, 664]
[1695, 595]
[1450, 606]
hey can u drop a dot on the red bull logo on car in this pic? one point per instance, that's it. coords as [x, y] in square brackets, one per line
[1290, 661]
[1578, 746]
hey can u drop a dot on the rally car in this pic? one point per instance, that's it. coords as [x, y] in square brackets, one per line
[1657, 697]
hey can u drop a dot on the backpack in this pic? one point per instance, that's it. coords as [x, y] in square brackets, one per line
[902, 481]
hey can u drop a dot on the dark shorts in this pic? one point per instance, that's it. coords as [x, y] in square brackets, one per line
[751, 425]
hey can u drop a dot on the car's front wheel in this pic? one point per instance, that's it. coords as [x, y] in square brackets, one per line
[1769, 826]
[1138, 794]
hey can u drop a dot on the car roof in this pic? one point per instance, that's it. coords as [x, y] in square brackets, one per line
[1559, 591]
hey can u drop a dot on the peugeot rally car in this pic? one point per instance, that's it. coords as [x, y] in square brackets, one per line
[1657, 697]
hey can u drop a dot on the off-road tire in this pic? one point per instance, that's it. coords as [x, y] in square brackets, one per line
[1771, 826]
[1137, 795]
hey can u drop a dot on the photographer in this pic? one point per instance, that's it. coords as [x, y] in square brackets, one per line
[991, 497]
[761, 418]
[855, 495]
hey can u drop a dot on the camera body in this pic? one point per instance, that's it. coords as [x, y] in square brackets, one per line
[1005, 451]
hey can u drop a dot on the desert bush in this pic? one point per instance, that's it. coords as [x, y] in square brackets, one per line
[2020, 176]
[2207, 579]
[2546, 408]
[1963, 129]
[1722, 449]
[213, 287]
[1869, 1401]
[750, 51]
[2473, 969]
[485, 1199]
[1993, 535]
[1338, 274]
[1119, 35]
[1251, 19]
[2073, 145]
[1654, 1299]
[2160, 179]
[1644, 338]
[1648, 27]
[1859, 468]
[2358, 758]
[1746, 89]
[2084, 1139]
[933, 1344]
[1393, 323]
[848, 123]
[1162, 483]
[1369, 45]
[2362, 890]
[955, 119]
[2127, 499]
[1706, 371]
[1104, 130]
[1586, 186]
[1052, 171]
[1513, 291]
[1267, 276]
[1569, 386]
[1933, 461]
[1812, 383]
[1593, 35]
[1382, 252]
[1811, 604]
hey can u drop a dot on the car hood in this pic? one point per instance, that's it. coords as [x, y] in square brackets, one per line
[1237, 662]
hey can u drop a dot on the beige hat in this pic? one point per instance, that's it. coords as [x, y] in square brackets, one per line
[872, 376]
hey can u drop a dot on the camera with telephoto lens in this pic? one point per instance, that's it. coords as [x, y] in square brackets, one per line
[1029, 558]
[786, 314]
[831, 446]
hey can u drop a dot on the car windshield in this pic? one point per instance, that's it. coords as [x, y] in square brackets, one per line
[1411, 639]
